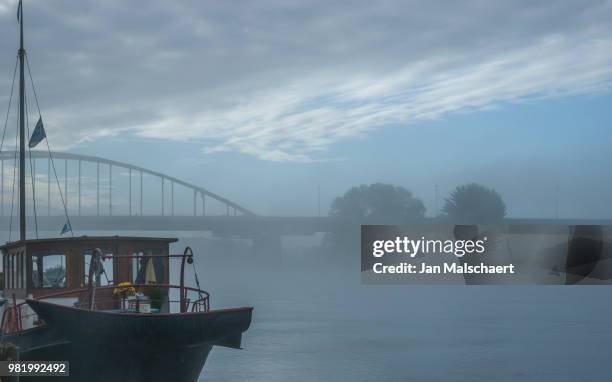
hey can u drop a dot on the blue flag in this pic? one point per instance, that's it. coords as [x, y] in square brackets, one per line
[19, 12]
[38, 134]
[66, 228]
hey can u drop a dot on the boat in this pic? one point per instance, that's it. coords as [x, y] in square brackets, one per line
[105, 304]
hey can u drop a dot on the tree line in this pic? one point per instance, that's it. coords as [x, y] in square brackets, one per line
[380, 203]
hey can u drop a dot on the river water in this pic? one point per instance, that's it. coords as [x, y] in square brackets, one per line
[315, 321]
[318, 323]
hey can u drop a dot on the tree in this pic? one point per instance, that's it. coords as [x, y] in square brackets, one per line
[474, 203]
[378, 203]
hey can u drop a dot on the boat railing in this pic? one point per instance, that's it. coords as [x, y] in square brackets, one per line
[190, 300]
[200, 302]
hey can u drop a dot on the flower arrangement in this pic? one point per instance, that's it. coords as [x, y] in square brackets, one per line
[124, 289]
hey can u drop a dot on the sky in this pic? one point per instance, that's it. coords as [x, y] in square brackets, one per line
[263, 102]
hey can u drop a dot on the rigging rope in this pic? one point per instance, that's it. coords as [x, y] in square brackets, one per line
[31, 167]
[14, 179]
[59, 188]
[106, 276]
[197, 281]
[8, 111]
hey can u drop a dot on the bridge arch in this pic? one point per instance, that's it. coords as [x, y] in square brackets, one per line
[231, 208]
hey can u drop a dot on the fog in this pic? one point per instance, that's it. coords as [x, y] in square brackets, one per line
[265, 103]
[314, 319]
[390, 112]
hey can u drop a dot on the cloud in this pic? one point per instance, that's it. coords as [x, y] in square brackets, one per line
[7, 6]
[293, 122]
[285, 81]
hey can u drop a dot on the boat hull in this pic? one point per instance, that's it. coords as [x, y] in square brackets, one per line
[182, 329]
[105, 346]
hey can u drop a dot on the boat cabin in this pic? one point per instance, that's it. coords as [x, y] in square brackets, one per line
[42, 267]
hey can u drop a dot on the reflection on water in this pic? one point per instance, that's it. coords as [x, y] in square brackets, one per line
[324, 325]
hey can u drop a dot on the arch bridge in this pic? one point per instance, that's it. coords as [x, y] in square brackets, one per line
[93, 193]
[108, 195]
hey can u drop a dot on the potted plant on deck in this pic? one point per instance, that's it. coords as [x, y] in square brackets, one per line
[124, 290]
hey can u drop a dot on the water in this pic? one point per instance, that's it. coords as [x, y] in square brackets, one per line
[314, 321]
[322, 324]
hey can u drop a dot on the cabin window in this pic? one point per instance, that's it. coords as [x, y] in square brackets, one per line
[24, 270]
[49, 269]
[139, 267]
[18, 270]
[107, 277]
[13, 272]
[8, 271]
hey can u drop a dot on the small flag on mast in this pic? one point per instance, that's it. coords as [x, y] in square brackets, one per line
[19, 12]
[66, 228]
[38, 134]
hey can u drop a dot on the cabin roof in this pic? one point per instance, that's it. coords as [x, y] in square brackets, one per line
[85, 238]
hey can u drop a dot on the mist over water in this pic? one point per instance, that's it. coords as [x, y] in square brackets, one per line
[313, 320]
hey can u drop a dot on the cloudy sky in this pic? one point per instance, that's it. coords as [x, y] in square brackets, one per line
[262, 101]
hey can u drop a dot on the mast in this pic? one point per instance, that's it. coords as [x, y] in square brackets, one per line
[22, 200]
